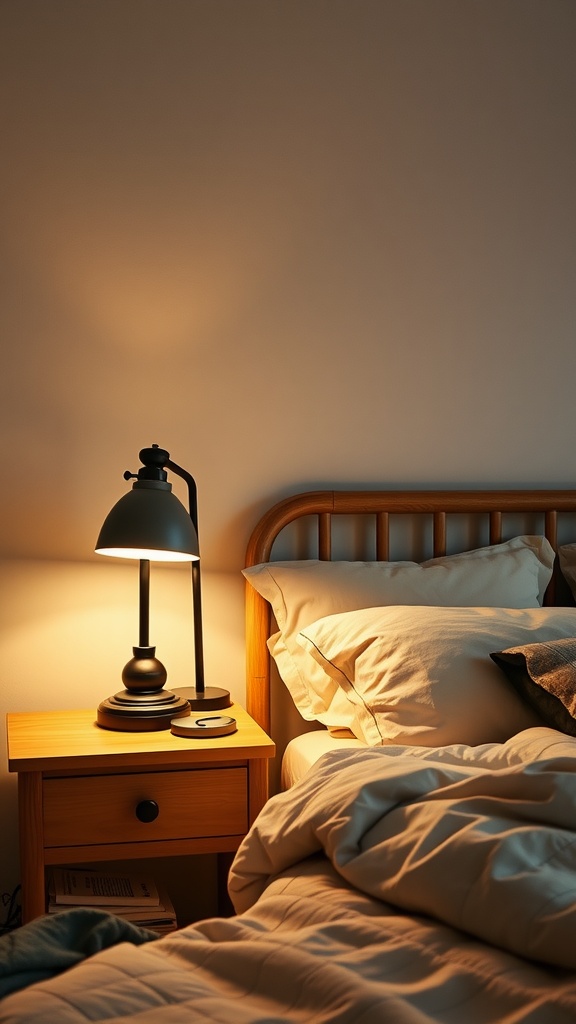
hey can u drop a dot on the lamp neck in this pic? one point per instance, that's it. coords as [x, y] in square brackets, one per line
[155, 461]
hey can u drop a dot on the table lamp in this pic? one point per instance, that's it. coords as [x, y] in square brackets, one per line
[150, 524]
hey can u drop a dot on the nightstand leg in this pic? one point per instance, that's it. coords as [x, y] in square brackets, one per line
[31, 845]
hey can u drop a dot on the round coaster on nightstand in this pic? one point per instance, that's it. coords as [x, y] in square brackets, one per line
[203, 726]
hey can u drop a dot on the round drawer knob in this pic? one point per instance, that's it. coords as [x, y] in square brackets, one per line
[147, 810]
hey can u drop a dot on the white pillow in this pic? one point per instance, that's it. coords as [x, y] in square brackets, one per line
[424, 676]
[514, 574]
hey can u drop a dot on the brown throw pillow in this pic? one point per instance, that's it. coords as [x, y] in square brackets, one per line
[544, 674]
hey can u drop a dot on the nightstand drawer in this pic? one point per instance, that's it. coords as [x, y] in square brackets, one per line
[102, 809]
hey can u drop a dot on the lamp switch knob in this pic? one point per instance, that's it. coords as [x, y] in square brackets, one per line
[147, 810]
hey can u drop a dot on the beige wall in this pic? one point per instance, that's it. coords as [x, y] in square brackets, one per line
[296, 242]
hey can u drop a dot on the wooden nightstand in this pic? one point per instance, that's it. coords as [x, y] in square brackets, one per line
[83, 790]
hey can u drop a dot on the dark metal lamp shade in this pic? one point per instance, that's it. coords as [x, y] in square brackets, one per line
[149, 522]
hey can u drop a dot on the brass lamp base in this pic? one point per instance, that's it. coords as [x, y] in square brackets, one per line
[144, 706]
[142, 712]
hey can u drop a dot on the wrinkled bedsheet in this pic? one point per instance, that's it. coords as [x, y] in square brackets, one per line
[395, 885]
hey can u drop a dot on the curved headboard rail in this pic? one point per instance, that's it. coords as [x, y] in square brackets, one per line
[380, 504]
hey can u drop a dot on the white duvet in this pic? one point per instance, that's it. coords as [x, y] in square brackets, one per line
[392, 884]
[444, 833]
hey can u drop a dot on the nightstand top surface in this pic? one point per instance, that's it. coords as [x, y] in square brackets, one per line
[63, 740]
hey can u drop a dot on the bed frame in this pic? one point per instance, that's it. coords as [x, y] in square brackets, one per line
[552, 512]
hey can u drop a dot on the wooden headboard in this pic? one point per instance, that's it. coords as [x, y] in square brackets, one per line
[551, 512]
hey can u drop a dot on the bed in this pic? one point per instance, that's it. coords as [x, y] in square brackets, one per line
[414, 654]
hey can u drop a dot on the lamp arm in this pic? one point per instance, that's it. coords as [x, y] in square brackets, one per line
[195, 568]
[192, 490]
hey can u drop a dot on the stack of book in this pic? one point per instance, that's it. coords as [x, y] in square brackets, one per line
[135, 898]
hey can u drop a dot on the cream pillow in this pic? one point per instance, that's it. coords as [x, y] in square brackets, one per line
[514, 574]
[424, 676]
